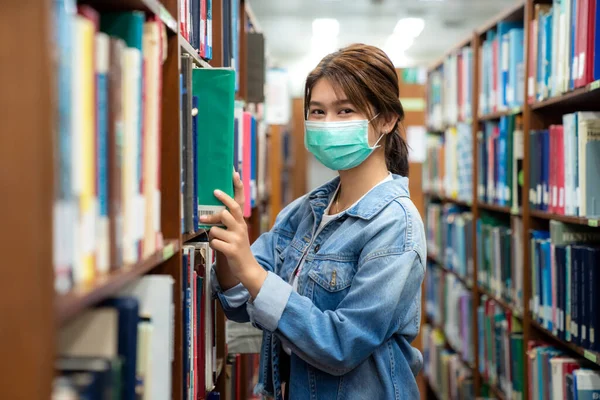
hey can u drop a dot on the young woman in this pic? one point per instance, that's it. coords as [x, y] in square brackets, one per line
[335, 285]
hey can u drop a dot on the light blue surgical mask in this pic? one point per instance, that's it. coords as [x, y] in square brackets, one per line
[339, 145]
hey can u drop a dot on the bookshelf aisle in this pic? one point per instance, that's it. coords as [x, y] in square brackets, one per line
[109, 172]
[512, 211]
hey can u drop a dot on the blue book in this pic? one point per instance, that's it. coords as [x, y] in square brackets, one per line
[517, 67]
[502, 161]
[541, 54]
[548, 54]
[235, 35]
[253, 163]
[103, 50]
[195, 152]
[128, 320]
[208, 40]
[593, 263]
[560, 257]
[547, 284]
[195, 28]
[504, 27]
[577, 256]
[586, 384]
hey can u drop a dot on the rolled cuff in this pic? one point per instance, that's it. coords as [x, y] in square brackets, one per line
[231, 298]
[266, 309]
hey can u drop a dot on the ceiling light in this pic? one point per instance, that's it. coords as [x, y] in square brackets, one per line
[325, 27]
[410, 27]
[397, 42]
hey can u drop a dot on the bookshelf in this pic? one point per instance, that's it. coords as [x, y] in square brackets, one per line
[33, 313]
[527, 115]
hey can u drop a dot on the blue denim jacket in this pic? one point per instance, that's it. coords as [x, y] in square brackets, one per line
[358, 304]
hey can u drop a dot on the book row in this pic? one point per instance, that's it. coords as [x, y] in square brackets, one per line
[108, 194]
[195, 25]
[501, 58]
[564, 48]
[448, 170]
[500, 259]
[449, 305]
[450, 88]
[447, 374]
[450, 238]
[199, 327]
[564, 268]
[500, 163]
[564, 166]
[120, 349]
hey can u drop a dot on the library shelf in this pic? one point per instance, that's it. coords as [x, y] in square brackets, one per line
[70, 304]
[502, 303]
[591, 356]
[499, 114]
[444, 199]
[187, 47]
[153, 6]
[188, 237]
[569, 219]
[579, 98]
[517, 11]
[496, 208]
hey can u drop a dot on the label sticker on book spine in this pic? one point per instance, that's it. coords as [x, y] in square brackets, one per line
[593, 223]
[168, 251]
[590, 356]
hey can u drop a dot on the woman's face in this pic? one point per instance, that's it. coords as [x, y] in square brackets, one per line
[326, 106]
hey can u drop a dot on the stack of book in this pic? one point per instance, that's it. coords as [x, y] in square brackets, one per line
[502, 83]
[107, 208]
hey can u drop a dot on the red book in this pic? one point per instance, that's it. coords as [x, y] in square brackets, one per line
[581, 43]
[568, 368]
[588, 65]
[459, 81]
[195, 327]
[560, 149]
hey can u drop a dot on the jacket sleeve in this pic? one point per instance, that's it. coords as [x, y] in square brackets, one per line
[383, 289]
[265, 250]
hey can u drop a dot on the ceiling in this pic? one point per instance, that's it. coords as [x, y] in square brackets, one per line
[287, 24]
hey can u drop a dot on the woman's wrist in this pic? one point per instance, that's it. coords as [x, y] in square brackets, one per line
[253, 278]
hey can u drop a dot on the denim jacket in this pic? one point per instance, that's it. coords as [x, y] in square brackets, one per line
[358, 304]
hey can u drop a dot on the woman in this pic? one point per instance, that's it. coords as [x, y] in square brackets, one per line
[336, 283]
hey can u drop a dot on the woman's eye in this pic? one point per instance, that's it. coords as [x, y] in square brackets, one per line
[317, 112]
[347, 111]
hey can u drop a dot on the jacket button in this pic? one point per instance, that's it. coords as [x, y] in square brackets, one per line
[317, 247]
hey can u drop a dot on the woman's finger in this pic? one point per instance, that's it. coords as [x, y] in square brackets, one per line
[220, 234]
[238, 187]
[228, 220]
[231, 204]
[220, 246]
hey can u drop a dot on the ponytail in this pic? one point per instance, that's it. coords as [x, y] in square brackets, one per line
[396, 153]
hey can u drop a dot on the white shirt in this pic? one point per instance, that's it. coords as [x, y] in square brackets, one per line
[327, 218]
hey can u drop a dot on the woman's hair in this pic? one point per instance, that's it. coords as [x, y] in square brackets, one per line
[368, 79]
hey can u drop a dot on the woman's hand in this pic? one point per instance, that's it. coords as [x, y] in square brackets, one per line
[234, 242]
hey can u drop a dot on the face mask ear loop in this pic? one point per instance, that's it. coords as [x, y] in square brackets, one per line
[380, 137]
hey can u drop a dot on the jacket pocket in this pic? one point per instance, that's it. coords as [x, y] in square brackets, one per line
[331, 283]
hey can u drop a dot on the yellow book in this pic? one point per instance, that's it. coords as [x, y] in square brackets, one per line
[86, 128]
[152, 87]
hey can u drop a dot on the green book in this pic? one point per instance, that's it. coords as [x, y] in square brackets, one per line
[127, 25]
[215, 90]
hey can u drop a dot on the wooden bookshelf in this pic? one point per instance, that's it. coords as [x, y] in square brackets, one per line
[462, 279]
[538, 115]
[85, 296]
[32, 311]
[500, 114]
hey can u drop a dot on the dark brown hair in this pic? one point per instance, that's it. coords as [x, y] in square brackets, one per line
[368, 78]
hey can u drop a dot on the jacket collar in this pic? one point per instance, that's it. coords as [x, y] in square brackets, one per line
[370, 205]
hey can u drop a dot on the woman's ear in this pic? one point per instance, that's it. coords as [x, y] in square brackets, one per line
[387, 123]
